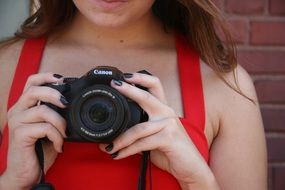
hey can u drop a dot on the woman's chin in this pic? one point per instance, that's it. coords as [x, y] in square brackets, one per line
[110, 22]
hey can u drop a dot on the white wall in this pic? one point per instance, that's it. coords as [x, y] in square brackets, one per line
[12, 14]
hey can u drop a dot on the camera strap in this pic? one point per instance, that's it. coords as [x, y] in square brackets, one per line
[145, 162]
[40, 154]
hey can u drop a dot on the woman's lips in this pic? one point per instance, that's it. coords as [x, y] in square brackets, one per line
[110, 4]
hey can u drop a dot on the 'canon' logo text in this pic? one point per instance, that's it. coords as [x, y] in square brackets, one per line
[100, 72]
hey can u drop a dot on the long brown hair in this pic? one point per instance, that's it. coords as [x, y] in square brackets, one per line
[196, 20]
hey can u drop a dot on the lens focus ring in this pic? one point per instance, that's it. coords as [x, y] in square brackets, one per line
[99, 113]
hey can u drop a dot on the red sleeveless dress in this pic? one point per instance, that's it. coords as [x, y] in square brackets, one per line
[83, 165]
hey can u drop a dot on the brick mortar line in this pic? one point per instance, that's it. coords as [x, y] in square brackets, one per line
[272, 102]
[235, 18]
[258, 18]
[275, 76]
[248, 27]
[268, 77]
[275, 164]
[275, 135]
[269, 130]
[273, 106]
[260, 47]
[268, 19]
[271, 75]
[266, 7]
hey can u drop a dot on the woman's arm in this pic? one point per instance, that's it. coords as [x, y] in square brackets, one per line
[9, 55]
[238, 153]
[207, 181]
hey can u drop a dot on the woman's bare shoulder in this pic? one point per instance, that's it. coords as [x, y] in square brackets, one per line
[9, 55]
[239, 80]
[221, 100]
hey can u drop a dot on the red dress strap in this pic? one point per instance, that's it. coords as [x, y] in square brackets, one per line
[28, 64]
[192, 94]
[191, 82]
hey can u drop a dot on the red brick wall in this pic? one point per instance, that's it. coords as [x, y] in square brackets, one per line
[258, 27]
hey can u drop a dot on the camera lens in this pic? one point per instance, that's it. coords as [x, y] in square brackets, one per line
[99, 113]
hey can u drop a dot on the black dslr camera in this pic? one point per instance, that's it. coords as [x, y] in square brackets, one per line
[96, 111]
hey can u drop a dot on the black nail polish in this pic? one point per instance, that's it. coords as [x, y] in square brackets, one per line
[63, 100]
[109, 148]
[57, 76]
[145, 72]
[114, 155]
[118, 82]
[128, 75]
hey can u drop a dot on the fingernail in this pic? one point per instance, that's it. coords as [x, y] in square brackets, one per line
[114, 155]
[109, 148]
[128, 75]
[63, 100]
[118, 82]
[58, 76]
[145, 72]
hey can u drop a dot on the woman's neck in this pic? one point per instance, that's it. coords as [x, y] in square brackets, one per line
[146, 32]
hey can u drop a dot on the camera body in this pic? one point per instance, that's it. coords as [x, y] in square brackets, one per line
[96, 111]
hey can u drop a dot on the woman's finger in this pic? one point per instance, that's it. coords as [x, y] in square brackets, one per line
[34, 94]
[144, 144]
[41, 78]
[149, 103]
[41, 113]
[152, 83]
[167, 139]
[28, 134]
[136, 132]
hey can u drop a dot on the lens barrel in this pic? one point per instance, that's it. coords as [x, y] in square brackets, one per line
[99, 113]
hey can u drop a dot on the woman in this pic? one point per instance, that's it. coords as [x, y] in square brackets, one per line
[204, 129]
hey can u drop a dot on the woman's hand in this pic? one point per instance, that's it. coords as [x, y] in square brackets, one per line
[28, 122]
[171, 148]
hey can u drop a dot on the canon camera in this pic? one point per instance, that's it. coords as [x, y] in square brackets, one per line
[96, 111]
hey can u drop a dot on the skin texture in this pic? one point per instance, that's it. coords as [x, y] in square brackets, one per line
[121, 37]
